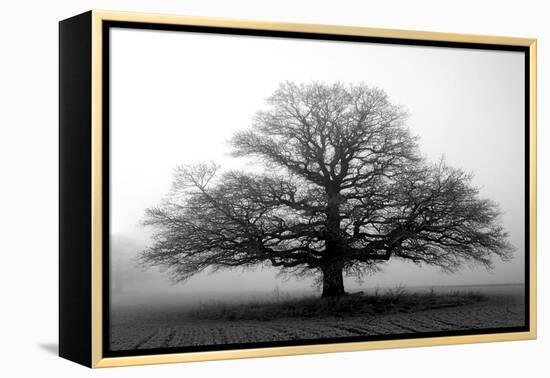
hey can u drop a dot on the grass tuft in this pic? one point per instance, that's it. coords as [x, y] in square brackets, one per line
[397, 300]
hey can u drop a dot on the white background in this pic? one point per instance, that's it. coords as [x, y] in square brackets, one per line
[28, 190]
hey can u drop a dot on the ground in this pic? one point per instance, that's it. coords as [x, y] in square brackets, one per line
[149, 327]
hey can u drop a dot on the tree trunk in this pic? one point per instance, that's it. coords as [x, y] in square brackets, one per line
[333, 280]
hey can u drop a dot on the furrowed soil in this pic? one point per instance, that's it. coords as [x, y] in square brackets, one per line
[162, 324]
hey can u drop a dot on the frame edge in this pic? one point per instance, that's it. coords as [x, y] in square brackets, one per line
[75, 83]
[96, 190]
[421, 35]
[533, 188]
[97, 360]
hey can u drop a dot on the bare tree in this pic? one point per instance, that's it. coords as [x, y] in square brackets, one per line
[346, 190]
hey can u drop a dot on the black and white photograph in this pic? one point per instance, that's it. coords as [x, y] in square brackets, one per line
[210, 188]
[275, 191]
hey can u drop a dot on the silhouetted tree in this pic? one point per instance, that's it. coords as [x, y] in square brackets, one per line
[344, 190]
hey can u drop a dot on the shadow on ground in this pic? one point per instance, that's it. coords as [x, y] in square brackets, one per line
[51, 348]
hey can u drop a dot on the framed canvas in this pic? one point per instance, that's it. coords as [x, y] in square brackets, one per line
[235, 189]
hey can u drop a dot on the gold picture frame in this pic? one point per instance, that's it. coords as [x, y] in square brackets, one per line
[82, 258]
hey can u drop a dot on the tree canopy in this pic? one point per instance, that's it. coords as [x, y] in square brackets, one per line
[344, 189]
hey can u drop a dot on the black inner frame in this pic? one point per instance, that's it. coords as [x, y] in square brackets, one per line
[107, 25]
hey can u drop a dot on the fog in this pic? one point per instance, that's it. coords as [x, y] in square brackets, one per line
[178, 97]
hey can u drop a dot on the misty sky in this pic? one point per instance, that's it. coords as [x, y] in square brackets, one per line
[178, 97]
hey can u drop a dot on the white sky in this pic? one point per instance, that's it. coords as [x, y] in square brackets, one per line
[178, 97]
